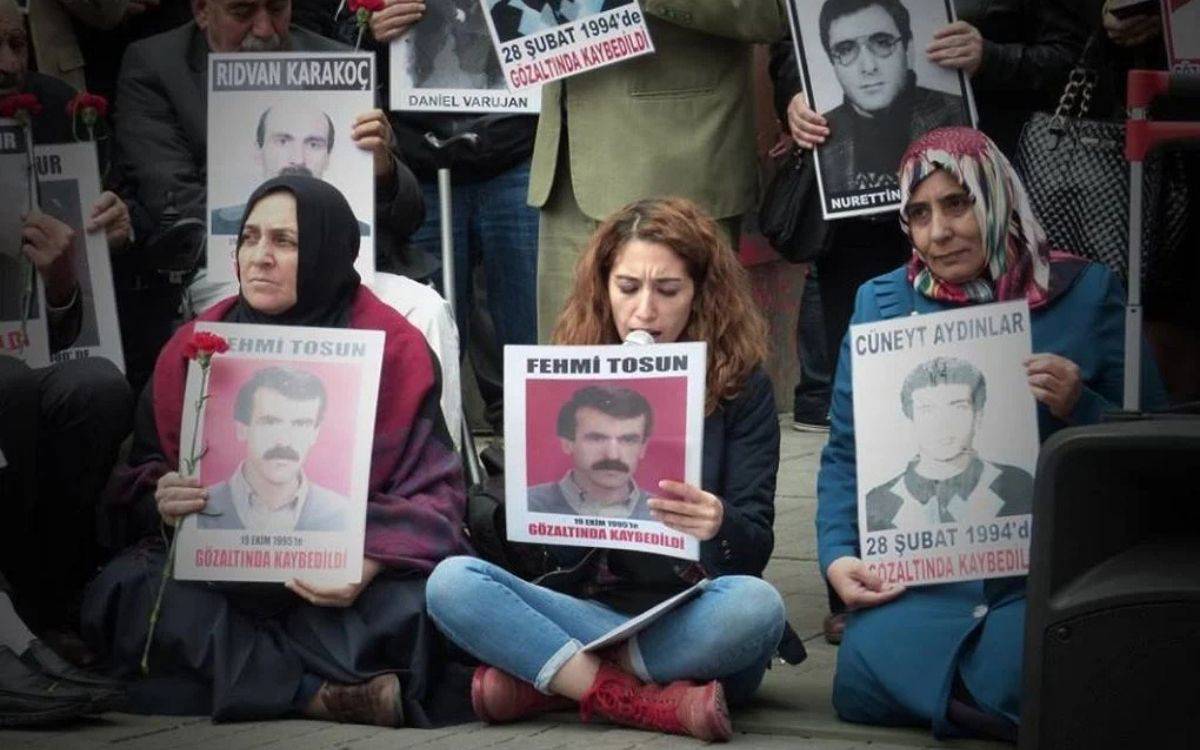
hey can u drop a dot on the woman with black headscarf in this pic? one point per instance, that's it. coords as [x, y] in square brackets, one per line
[363, 652]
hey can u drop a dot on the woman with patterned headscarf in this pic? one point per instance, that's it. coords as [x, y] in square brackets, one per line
[949, 655]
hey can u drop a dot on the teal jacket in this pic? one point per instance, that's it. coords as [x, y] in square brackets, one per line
[897, 661]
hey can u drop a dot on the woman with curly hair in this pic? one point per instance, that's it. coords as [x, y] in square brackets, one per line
[663, 267]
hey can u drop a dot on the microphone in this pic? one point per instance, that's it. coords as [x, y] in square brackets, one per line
[638, 337]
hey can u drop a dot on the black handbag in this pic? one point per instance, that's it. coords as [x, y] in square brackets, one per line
[790, 213]
[1075, 171]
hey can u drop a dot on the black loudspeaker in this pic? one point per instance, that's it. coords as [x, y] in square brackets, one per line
[1112, 633]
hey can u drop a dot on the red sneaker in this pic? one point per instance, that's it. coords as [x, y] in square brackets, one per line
[679, 708]
[498, 697]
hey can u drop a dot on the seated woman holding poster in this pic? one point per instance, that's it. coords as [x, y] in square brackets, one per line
[949, 654]
[662, 267]
[363, 652]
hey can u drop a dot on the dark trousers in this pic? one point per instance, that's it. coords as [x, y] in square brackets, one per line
[60, 428]
[811, 397]
[860, 250]
[256, 651]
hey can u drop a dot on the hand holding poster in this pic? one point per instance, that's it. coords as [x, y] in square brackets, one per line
[591, 432]
[445, 62]
[946, 441]
[286, 434]
[866, 72]
[286, 113]
[539, 41]
[69, 182]
[23, 332]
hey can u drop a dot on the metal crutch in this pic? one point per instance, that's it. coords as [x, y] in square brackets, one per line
[441, 147]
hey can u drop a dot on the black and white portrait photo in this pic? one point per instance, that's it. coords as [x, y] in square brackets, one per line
[446, 63]
[864, 68]
[291, 138]
[947, 480]
[286, 114]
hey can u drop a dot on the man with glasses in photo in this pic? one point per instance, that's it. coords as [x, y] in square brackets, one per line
[869, 43]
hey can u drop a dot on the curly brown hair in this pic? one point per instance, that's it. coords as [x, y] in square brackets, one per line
[723, 313]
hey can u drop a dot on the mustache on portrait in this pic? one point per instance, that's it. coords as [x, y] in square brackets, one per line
[610, 464]
[298, 170]
[251, 43]
[281, 452]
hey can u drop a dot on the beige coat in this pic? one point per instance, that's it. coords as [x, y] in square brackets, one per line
[677, 122]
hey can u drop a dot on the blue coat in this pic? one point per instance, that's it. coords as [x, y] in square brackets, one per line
[897, 662]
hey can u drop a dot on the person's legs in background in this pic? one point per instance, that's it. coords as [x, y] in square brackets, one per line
[860, 250]
[810, 410]
[504, 237]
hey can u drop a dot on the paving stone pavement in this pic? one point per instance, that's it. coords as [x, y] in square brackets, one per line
[791, 710]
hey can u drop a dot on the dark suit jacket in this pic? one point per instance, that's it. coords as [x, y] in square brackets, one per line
[162, 130]
[1007, 488]
[324, 510]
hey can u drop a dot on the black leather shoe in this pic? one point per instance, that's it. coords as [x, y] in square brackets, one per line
[30, 698]
[106, 694]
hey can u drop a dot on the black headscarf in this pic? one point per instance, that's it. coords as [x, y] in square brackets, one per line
[326, 281]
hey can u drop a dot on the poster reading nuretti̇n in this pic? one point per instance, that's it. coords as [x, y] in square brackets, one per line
[538, 41]
[23, 332]
[946, 442]
[590, 432]
[1181, 28]
[272, 114]
[865, 70]
[69, 183]
[446, 63]
[285, 438]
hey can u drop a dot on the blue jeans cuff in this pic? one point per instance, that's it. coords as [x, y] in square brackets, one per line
[546, 674]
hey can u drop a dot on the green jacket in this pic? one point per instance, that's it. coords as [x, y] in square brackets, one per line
[678, 122]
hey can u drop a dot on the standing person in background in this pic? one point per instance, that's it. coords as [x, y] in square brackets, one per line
[683, 118]
[1018, 54]
[493, 226]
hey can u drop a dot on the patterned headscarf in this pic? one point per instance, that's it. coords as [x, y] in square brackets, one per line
[1018, 255]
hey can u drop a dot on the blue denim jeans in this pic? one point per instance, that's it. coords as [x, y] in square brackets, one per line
[729, 632]
[493, 226]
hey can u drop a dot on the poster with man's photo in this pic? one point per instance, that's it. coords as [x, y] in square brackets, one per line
[272, 114]
[69, 184]
[285, 438]
[865, 70]
[538, 41]
[946, 437]
[590, 431]
[23, 332]
[1181, 28]
[446, 63]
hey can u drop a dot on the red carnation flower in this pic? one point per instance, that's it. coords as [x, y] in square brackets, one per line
[370, 6]
[203, 345]
[14, 105]
[88, 106]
